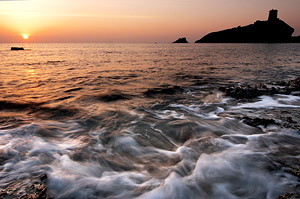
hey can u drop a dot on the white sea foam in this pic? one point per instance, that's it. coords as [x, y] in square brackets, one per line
[236, 172]
[209, 168]
[167, 114]
[199, 110]
[288, 98]
[270, 102]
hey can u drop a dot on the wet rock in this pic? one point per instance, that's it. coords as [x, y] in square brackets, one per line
[33, 188]
[290, 120]
[241, 92]
[293, 171]
[281, 83]
[292, 195]
[291, 126]
[255, 122]
[181, 40]
[250, 92]
[294, 85]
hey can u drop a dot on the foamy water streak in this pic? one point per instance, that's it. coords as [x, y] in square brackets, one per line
[271, 102]
[231, 166]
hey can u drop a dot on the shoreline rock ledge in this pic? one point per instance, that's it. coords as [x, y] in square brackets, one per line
[273, 30]
[181, 41]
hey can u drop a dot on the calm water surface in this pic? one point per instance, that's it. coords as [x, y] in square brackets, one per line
[145, 120]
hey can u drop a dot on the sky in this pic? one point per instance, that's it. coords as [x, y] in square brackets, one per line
[133, 20]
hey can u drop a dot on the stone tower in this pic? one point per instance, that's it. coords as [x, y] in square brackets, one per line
[273, 15]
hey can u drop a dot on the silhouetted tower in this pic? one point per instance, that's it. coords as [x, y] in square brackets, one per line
[273, 15]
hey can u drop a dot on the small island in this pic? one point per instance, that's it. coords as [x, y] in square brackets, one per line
[16, 48]
[181, 41]
[273, 30]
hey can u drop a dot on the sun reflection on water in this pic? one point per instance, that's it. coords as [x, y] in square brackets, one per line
[31, 73]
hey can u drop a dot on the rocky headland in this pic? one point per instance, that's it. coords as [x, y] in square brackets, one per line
[273, 30]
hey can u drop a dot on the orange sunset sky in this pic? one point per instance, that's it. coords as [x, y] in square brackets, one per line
[133, 20]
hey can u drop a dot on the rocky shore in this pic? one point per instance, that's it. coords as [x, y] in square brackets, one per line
[247, 92]
[282, 117]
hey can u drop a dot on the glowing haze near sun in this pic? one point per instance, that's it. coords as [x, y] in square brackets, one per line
[132, 20]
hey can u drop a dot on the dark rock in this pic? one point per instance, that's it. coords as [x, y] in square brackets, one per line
[291, 195]
[290, 120]
[293, 171]
[255, 122]
[281, 83]
[250, 92]
[181, 40]
[240, 92]
[296, 39]
[294, 85]
[33, 188]
[16, 48]
[273, 30]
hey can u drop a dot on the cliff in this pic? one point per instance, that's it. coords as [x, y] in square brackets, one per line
[273, 30]
[296, 39]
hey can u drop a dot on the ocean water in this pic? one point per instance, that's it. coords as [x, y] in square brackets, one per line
[146, 120]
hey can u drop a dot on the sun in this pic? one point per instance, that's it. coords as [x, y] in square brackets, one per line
[25, 36]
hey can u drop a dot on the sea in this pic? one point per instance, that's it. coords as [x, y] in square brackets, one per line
[146, 121]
